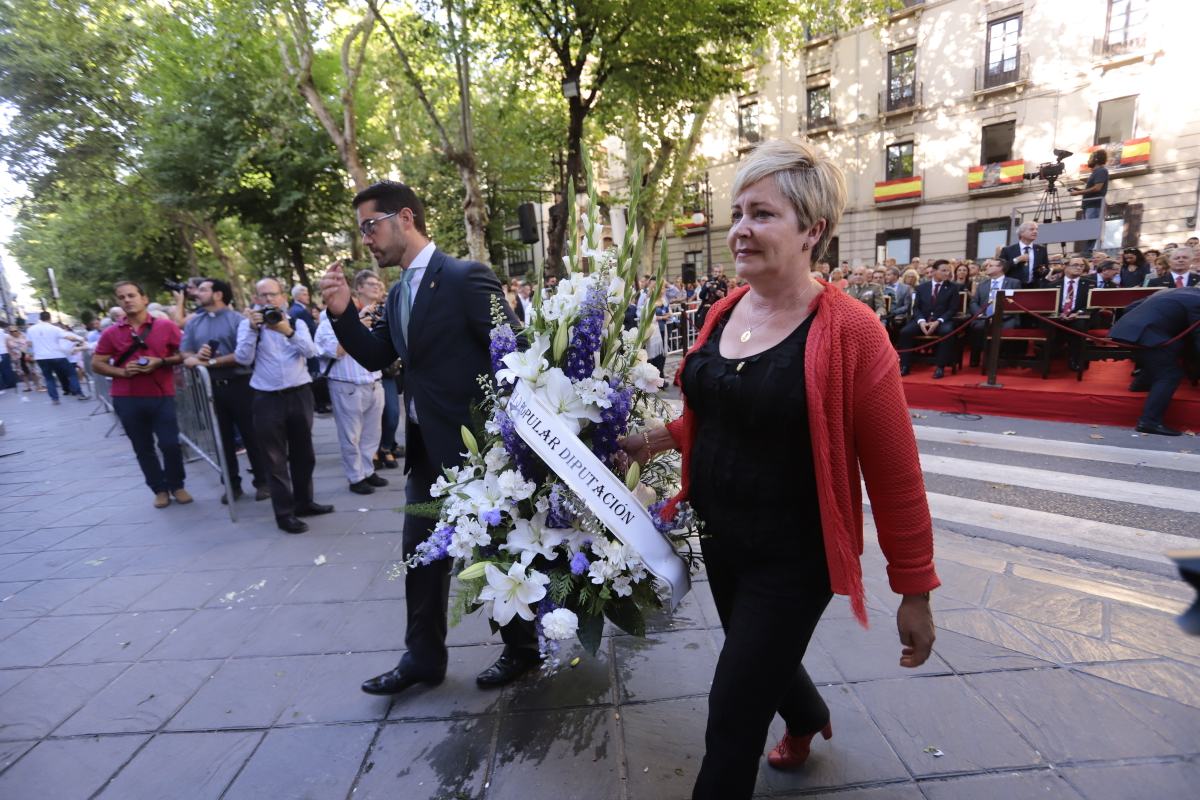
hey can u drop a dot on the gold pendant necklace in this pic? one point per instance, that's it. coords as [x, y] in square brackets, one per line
[749, 332]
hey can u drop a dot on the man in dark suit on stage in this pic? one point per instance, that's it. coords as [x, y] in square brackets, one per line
[1073, 305]
[437, 321]
[983, 300]
[1027, 262]
[1179, 276]
[934, 305]
[1150, 323]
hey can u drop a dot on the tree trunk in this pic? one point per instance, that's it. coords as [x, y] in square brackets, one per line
[296, 251]
[475, 215]
[559, 224]
[210, 234]
[185, 236]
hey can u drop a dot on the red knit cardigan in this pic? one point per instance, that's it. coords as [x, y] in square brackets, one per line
[858, 419]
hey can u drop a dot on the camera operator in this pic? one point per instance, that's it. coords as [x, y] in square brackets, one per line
[210, 339]
[1027, 262]
[283, 403]
[138, 353]
[1150, 323]
[1093, 193]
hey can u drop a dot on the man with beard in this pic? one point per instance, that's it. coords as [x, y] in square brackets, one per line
[437, 321]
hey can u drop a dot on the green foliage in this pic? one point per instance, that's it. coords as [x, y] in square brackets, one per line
[626, 615]
[591, 631]
[429, 510]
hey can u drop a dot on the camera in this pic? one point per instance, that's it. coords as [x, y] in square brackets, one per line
[143, 361]
[271, 315]
[174, 286]
[1048, 171]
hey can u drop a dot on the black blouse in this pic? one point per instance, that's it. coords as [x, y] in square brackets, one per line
[752, 477]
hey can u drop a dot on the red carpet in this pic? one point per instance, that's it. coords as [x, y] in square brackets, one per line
[1101, 398]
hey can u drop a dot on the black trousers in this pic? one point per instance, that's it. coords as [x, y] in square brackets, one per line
[427, 588]
[1161, 374]
[144, 420]
[943, 351]
[233, 400]
[283, 426]
[769, 608]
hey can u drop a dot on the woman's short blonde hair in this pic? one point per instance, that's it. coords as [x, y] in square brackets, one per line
[812, 183]
[911, 276]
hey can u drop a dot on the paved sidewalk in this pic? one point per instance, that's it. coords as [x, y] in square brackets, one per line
[151, 654]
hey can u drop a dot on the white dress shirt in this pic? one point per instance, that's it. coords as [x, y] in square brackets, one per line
[278, 360]
[344, 368]
[417, 267]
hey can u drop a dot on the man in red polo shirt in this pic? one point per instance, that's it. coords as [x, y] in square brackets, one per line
[138, 353]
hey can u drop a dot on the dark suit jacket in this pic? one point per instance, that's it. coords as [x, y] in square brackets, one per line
[983, 293]
[448, 349]
[943, 308]
[1168, 280]
[1159, 318]
[1082, 289]
[1041, 262]
[296, 311]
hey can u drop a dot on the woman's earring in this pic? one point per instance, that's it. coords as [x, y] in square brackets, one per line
[804, 247]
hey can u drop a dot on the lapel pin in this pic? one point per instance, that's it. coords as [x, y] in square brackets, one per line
[433, 284]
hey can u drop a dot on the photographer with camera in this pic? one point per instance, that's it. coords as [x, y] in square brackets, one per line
[1093, 193]
[138, 353]
[209, 340]
[283, 403]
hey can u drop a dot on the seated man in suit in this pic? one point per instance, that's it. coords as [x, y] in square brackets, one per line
[1028, 261]
[901, 294]
[934, 304]
[1179, 276]
[984, 300]
[1151, 323]
[1073, 305]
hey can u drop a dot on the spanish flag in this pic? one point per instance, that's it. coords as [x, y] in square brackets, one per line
[1130, 153]
[999, 174]
[899, 189]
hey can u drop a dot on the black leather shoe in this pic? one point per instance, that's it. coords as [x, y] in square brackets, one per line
[237, 495]
[313, 510]
[375, 480]
[262, 493]
[939, 373]
[397, 681]
[1157, 428]
[506, 670]
[362, 487]
[904, 371]
[289, 524]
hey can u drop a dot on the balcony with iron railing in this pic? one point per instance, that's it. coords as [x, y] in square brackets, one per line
[989, 79]
[907, 100]
[1114, 52]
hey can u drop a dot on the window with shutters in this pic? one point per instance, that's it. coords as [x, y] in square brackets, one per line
[1003, 51]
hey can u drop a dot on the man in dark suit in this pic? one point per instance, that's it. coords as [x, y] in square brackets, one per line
[1150, 323]
[1027, 262]
[983, 300]
[1179, 276]
[1073, 305]
[934, 304]
[437, 322]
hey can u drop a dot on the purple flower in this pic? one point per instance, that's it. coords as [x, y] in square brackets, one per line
[614, 422]
[491, 517]
[579, 563]
[559, 516]
[586, 338]
[503, 342]
[434, 548]
[520, 453]
[662, 525]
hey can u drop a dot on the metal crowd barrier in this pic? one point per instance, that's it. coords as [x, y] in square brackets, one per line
[681, 331]
[198, 428]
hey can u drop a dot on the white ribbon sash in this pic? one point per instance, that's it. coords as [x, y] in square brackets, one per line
[606, 496]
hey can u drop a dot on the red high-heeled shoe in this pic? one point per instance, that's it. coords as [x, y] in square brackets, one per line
[792, 751]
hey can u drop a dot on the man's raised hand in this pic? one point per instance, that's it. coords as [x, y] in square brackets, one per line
[335, 290]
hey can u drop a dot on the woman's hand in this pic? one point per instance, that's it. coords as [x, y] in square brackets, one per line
[642, 446]
[914, 621]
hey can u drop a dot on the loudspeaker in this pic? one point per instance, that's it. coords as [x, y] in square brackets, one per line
[527, 220]
[689, 272]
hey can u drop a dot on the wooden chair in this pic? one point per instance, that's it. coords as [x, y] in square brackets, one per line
[1039, 303]
[1109, 302]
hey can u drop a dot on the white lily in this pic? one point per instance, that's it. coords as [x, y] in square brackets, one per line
[558, 393]
[512, 592]
[526, 365]
[531, 537]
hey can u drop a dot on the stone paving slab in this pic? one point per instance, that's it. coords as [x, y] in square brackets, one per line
[154, 653]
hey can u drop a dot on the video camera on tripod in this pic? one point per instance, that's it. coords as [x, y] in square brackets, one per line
[1051, 171]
